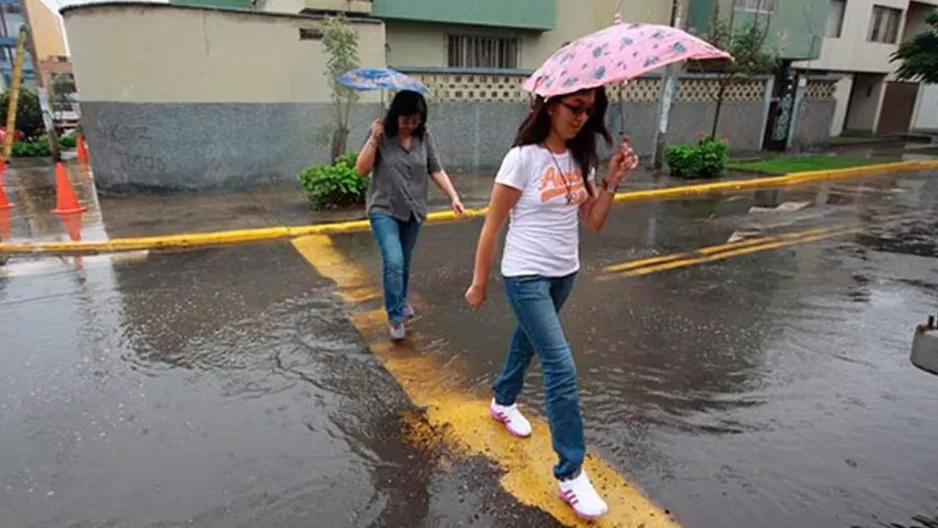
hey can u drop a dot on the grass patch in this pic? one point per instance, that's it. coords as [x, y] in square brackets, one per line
[786, 164]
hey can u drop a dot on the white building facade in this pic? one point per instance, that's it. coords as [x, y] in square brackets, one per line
[860, 37]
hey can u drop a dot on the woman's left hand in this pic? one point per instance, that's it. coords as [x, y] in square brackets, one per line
[623, 161]
[457, 207]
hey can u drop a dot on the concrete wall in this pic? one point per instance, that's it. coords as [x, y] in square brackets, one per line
[842, 97]
[210, 109]
[187, 102]
[813, 127]
[185, 54]
[926, 114]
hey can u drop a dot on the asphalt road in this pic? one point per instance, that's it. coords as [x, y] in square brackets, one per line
[735, 364]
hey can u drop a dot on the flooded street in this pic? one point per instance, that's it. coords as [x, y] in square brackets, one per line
[212, 388]
[740, 356]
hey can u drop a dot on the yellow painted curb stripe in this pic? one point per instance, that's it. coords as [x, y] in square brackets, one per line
[795, 178]
[726, 251]
[462, 419]
[192, 240]
[635, 264]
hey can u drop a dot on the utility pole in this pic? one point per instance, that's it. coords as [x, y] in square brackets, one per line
[668, 89]
[13, 101]
[40, 83]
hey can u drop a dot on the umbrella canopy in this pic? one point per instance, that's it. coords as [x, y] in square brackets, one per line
[380, 79]
[618, 53]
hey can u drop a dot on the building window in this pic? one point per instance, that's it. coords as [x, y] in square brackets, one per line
[835, 18]
[465, 51]
[884, 25]
[756, 6]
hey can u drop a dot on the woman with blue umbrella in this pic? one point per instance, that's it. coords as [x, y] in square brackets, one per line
[402, 158]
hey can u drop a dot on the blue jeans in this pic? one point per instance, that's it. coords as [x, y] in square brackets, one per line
[536, 302]
[396, 241]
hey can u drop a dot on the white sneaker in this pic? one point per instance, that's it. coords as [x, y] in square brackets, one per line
[397, 332]
[514, 421]
[580, 494]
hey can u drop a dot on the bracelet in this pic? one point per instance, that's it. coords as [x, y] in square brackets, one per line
[606, 187]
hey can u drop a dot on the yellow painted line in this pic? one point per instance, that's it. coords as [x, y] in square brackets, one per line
[635, 264]
[795, 178]
[461, 419]
[219, 238]
[712, 254]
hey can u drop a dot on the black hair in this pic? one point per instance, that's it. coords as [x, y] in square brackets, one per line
[406, 103]
[536, 127]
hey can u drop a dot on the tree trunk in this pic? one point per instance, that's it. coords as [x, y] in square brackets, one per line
[716, 118]
[339, 143]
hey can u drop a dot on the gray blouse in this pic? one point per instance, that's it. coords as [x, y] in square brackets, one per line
[399, 179]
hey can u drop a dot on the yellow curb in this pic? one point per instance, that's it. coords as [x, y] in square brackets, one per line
[219, 238]
[794, 178]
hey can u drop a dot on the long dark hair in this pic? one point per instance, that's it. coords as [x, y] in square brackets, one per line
[406, 103]
[536, 127]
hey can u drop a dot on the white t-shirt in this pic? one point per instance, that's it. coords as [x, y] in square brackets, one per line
[543, 230]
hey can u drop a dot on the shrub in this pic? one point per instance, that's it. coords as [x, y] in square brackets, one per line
[68, 141]
[38, 148]
[705, 159]
[28, 112]
[334, 185]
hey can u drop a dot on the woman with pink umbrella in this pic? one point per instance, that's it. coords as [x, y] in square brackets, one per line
[546, 185]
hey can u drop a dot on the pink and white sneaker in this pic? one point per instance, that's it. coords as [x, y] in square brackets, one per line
[580, 494]
[512, 418]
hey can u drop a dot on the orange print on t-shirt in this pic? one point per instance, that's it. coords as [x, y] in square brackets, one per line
[553, 185]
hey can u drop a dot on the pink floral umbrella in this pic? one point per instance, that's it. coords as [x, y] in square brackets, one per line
[618, 53]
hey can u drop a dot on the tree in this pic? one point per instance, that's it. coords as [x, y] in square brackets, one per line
[60, 93]
[28, 112]
[341, 43]
[747, 46]
[919, 55]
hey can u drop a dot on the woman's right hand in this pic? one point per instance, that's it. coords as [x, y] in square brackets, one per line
[475, 296]
[377, 128]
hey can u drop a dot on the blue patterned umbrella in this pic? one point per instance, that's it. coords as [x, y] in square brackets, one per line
[380, 79]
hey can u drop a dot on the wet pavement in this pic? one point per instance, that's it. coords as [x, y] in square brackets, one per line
[229, 387]
[32, 188]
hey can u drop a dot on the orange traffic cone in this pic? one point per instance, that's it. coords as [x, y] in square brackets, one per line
[72, 224]
[4, 201]
[82, 150]
[4, 224]
[65, 200]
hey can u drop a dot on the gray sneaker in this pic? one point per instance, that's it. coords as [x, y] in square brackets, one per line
[398, 333]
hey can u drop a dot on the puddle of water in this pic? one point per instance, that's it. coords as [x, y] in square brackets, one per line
[198, 389]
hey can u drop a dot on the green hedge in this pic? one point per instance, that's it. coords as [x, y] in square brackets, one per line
[334, 185]
[705, 159]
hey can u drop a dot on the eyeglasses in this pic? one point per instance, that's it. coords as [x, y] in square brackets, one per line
[579, 110]
[411, 121]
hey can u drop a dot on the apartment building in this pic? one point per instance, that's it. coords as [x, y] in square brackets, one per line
[481, 34]
[860, 37]
[794, 28]
[48, 36]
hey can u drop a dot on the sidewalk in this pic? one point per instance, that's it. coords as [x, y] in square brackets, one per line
[126, 223]
[33, 190]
